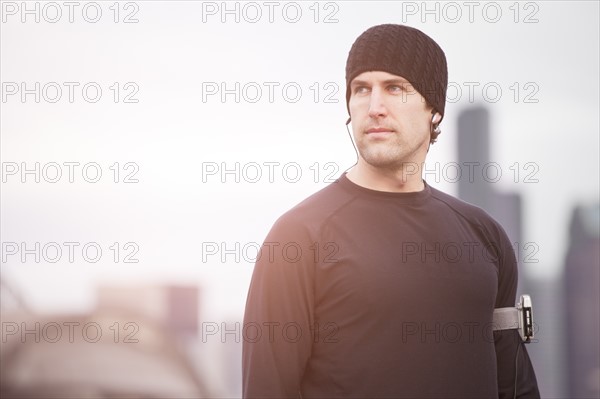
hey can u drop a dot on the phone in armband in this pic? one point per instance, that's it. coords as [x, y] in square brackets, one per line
[520, 317]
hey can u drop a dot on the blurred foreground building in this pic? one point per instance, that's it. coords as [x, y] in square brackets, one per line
[135, 344]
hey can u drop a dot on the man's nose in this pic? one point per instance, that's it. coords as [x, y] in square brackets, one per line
[377, 106]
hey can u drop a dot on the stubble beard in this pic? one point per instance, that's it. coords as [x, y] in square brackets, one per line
[389, 155]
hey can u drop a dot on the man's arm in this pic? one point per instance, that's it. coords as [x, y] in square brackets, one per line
[515, 371]
[279, 314]
[516, 377]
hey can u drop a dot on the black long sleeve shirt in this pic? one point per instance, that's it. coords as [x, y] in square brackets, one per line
[366, 294]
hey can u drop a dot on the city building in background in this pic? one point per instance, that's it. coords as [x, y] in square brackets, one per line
[506, 207]
[581, 278]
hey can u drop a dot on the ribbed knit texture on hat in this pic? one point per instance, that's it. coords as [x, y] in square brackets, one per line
[403, 51]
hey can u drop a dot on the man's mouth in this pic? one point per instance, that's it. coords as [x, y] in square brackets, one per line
[379, 130]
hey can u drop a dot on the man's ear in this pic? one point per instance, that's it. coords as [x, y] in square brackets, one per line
[436, 117]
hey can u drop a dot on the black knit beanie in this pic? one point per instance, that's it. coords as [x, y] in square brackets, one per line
[403, 51]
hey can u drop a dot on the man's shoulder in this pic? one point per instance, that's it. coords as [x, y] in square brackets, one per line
[318, 207]
[470, 212]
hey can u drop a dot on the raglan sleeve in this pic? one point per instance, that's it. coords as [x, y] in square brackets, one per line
[516, 376]
[277, 335]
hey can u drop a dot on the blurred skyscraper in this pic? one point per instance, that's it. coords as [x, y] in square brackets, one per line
[582, 303]
[478, 180]
[479, 188]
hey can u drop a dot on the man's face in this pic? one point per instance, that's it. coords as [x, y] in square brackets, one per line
[390, 119]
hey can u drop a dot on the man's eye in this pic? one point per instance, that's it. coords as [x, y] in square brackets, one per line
[396, 88]
[361, 89]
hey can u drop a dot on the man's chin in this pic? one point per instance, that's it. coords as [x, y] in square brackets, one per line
[382, 161]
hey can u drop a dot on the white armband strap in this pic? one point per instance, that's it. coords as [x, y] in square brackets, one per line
[519, 317]
[506, 318]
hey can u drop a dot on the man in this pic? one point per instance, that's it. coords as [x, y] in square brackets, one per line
[380, 285]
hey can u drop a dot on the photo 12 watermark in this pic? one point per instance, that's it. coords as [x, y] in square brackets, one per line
[250, 252]
[69, 331]
[69, 92]
[68, 251]
[453, 12]
[269, 92]
[54, 12]
[69, 172]
[453, 332]
[269, 172]
[474, 172]
[463, 252]
[491, 92]
[290, 332]
[253, 12]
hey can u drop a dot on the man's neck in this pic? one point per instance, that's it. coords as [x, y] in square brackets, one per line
[404, 179]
